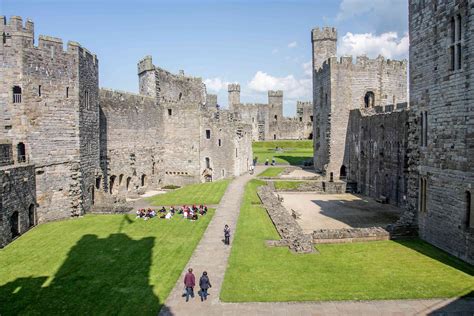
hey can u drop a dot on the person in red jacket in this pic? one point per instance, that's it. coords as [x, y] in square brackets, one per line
[189, 283]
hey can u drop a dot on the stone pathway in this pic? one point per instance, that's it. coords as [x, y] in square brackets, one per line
[211, 255]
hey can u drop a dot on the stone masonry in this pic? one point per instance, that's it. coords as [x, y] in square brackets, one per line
[441, 160]
[267, 120]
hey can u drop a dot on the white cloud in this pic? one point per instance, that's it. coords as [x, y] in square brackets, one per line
[292, 45]
[387, 44]
[380, 15]
[308, 68]
[292, 87]
[215, 84]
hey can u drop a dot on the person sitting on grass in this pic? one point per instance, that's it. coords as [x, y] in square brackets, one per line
[185, 213]
[152, 213]
[139, 213]
[172, 210]
[168, 215]
[163, 210]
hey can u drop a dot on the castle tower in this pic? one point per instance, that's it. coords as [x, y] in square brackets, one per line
[146, 77]
[324, 45]
[275, 100]
[234, 95]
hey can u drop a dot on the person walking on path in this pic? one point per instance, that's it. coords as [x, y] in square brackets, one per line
[204, 284]
[226, 235]
[189, 283]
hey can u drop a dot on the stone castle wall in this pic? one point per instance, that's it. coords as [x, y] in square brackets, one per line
[17, 199]
[375, 154]
[50, 115]
[267, 120]
[131, 148]
[340, 86]
[442, 144]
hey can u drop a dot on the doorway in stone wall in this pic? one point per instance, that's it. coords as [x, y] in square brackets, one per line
[343, 173]
[15, 224]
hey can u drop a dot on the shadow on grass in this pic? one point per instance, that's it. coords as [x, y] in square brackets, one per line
[100, 276]
[437, 254]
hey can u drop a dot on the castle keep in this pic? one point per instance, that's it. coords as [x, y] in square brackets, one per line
[63, 138]
[267, 120]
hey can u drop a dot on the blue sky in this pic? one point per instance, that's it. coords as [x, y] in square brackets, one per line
[259, 44]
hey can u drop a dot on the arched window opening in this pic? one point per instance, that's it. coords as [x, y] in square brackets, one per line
[15, 224]
[4, 37]
[120, 179]
[128, 183]
[369, 99]
[32, 215]
[111, 185]
[276, 117]
[180, 96]
[98, 180]
[16, 94]
[331, 177]
[274, 136]
[143, 180]
[208, 163]
[21, 152]
[310, 136]
[343, 172]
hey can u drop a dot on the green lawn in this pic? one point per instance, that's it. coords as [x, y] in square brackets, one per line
[294, 152]
[96, 265]
[201, 193]
[287, 185]
[271, 172]
[358, 271]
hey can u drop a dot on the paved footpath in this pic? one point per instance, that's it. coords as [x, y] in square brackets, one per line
[211, 255]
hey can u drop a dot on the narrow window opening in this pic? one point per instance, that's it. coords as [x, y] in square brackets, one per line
[469, 211]
[143, 180]
[21, 152]
[112, 182]
[274, 136]
[208, 134]
[67, 92]
[219, 142]
[16, 94]
[236, 153]
[4, 36]
[180, 96]
[86, 99]
[170, 112]
[98, 180]
[15, 224]
[39, 90]
[301, 119]
[129, 179]
[208, 163]
[276, 117]
[311, 118]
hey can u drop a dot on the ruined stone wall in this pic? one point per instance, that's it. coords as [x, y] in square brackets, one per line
[228, 148]
[375, 156]
[341, 86]
[131, 146]
[17, 196]
[441, 89]
[51, 120]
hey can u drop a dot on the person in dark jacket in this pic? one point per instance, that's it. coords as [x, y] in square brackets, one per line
[204, 284]
[226, 235]
[189, 283]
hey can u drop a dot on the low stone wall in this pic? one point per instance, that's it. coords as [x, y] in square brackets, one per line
[322, 187]
[349, 235]
[291, 233]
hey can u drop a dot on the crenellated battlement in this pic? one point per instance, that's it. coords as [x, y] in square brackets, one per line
[302, 104]
[323, 34]
[275, 93]
[233, 87]
[362, 62]
[15, 25]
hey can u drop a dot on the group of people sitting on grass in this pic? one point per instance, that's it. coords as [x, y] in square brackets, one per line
[188, 212]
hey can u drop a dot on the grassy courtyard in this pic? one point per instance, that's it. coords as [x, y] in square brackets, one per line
[287, 185]
[294, 152]
[201, 193]
[271, 172]
[358, 271]
[96, 265]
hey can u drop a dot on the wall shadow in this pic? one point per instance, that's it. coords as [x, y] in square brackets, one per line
[359, 213]
[437, 254]
[294, 161]
[100, 276]
[464, 305]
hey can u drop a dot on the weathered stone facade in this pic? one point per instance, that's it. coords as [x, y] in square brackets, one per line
[90, 146]
[50, 114]
[339, 86]
[441, 147]
[17, 200]
[267, 120]
[375, 155]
